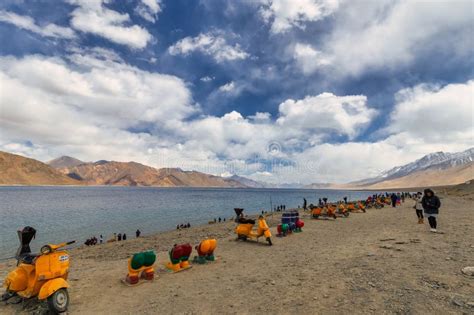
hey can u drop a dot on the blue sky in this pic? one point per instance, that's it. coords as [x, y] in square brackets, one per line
[276, 90]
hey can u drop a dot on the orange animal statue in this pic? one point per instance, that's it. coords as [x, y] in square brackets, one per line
[205, 251]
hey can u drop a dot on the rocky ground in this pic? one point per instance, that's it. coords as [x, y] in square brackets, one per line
[379, 262]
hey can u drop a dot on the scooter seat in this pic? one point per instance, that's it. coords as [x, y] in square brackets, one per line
[246, 221]
[27, 258]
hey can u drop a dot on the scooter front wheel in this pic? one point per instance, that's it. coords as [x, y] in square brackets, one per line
[59, 301]
[269, 240]
[242, 237]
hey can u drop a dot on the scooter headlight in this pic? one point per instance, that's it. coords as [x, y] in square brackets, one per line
[46, 249]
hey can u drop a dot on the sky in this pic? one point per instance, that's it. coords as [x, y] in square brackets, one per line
[284, 91]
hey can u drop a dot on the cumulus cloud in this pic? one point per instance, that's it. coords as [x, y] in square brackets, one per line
[391, 35]
[211, 44]
[91, 16]
[28, 23]
[89, 106]
[309, 59]
[149, 9]
[344, 115]
[424, 110]
[286, 14]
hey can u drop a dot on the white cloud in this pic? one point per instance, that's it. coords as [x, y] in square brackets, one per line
[28, 23]
[286, 14]
[391, 35]
[91, 16]
[207, 79]
[435, 114]
[261, 117]
[211, 44]
[87, 108]
[344, 115]
[149, 9]
[228, 87]
[309, 59]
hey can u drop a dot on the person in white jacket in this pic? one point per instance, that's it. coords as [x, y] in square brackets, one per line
[419, 207]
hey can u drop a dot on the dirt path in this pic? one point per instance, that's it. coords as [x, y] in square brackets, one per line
[377, 262]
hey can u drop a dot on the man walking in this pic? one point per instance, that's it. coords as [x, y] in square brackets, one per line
[431, 205]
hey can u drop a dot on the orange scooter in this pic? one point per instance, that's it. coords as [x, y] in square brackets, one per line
[328, 211]
[41, 275]
[342, 210]
[244, 229]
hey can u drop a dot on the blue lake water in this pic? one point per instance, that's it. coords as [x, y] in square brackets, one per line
[76, 213]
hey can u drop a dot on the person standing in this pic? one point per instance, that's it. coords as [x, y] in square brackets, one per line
[119, 237]
[124, 237]
[393, 197]
[137, 233]
[305, 204]
[419, 207]
[101, 239]
[431, 205]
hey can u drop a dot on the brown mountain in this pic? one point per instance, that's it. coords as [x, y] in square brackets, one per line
[19, 170]
[64, 161]
[136, 174]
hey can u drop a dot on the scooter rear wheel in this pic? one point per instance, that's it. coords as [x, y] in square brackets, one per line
[59, 301]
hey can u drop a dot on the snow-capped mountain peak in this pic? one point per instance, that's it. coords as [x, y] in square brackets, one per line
[432, 161]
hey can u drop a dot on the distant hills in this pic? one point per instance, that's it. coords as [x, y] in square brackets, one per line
[19, 170]
[136, 174]
[435, 169]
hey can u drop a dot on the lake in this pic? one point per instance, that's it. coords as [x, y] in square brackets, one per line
[77, 213]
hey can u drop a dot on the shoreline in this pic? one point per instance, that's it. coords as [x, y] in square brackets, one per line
[396, 189]
[377, 262]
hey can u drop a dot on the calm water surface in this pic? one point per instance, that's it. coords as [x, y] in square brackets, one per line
[76, 213]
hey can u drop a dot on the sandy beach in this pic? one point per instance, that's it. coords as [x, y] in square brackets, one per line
[379, 262]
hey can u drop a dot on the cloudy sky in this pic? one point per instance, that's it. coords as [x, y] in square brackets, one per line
[293, 91]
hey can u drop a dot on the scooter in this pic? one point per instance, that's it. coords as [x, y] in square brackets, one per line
[41, 275]
[342, 211]
[327, 212]
[244, 229]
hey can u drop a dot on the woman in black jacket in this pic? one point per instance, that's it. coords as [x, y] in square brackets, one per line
[431, 205]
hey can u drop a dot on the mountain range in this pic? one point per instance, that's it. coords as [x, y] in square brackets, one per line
[435, 169]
